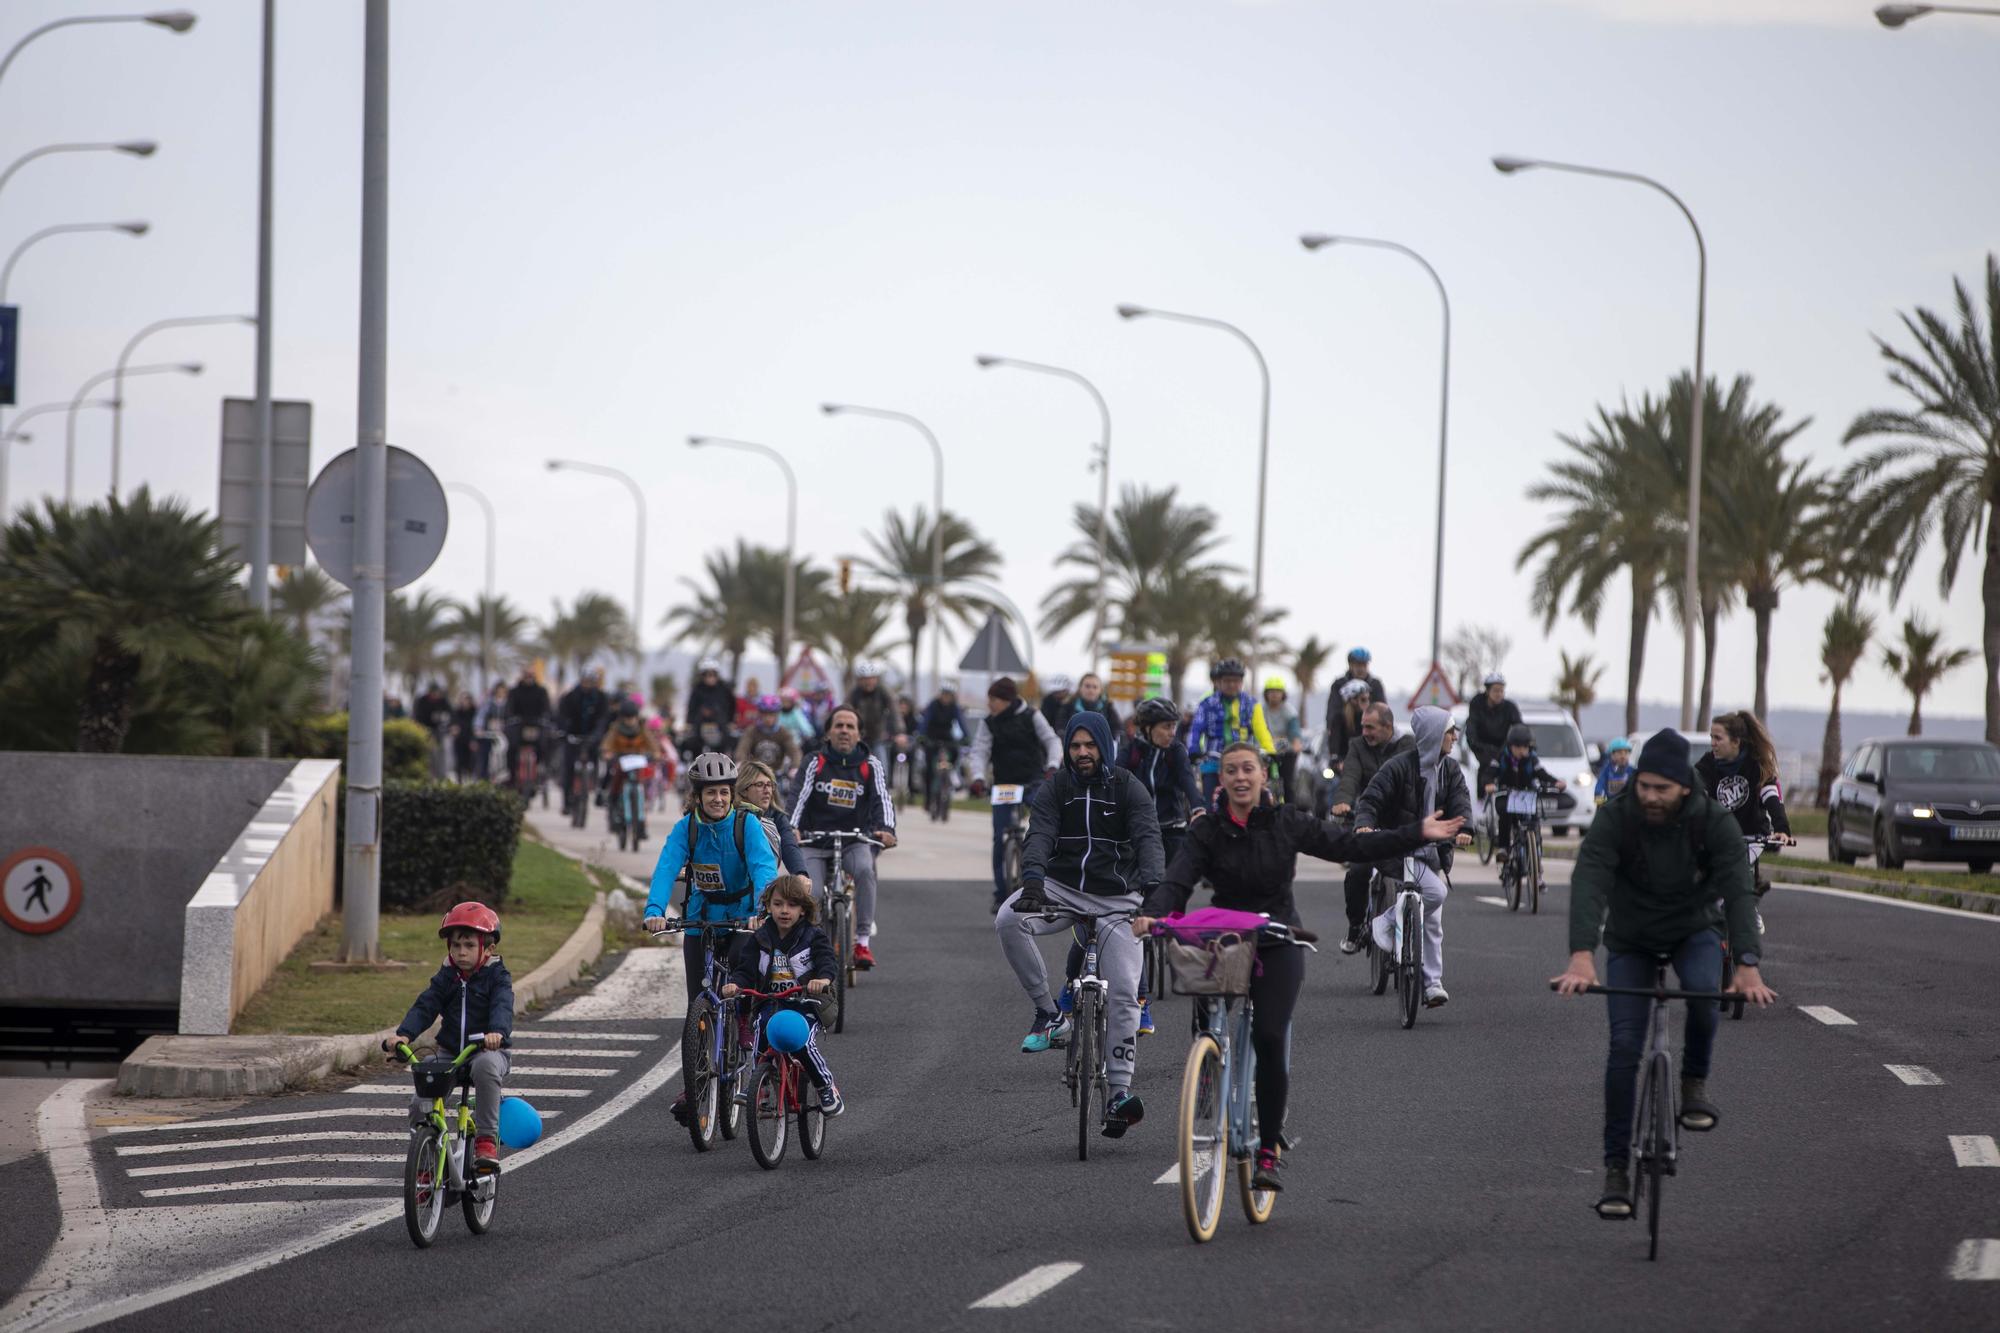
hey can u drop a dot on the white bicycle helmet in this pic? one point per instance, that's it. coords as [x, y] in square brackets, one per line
[866, 667]
[1495, 678]
[712, 769]
[1353, 689]
[708, 664]
[1059, 684]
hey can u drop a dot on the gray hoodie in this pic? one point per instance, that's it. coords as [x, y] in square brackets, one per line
[1415, 784]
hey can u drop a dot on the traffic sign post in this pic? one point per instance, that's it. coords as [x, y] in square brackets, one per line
[10, 359]
[1434, 691]
[291, 469]
[40, 890]
[417, 519]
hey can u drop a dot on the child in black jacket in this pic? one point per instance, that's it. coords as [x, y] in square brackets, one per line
[1519, 769]
[472, 998]
[789, 949]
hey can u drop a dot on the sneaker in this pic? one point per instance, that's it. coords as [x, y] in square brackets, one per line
[1266, 1175]
[830, 1104]
[1352, 944]
[1145, 1018]
[1125, 1111]
[864, 958]
[485, 1154]
[1049, 1027]
[680, 1108]
[1384, 927]
[1615, 1204]
[1698, 1113]
[1435, 998]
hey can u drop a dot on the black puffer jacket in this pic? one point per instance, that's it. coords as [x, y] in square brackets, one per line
[1252, 864]
[466, 1006]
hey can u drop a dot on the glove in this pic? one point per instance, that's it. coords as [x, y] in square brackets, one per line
[1030, 900]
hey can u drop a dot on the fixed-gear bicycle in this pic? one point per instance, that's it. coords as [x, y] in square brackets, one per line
[778, 1095]
[839, 910]
[1085, 1071]
[435, 1171]
[712, 1058]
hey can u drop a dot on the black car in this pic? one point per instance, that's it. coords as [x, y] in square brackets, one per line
[1911, 799]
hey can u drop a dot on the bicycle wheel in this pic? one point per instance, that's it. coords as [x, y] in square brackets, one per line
[1659, 1130]
[837, 929]
[1409, 966]
[1085, 1055]
[1482, 834]
[1511, 874]
[1380, 967]
[698, 1071]
[424, 1182]
[1010, 857]
[1534, 869]
[481, 1197]
[812, 1120]
[1257, 1204]
[1203, 1147]
[768, 1122]
[846, 945]
[729, 1111]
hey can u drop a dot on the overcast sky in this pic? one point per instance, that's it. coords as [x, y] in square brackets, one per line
[613, 224]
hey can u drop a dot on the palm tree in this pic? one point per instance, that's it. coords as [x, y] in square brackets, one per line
[723, 613]
[511, 629]
[902, 554]
[416, 633]
[1576, 683]
[1919, 663]
[1615, 522]
[593, 624]
[303, 595]
[1308, 660]
[1843, 640]
[268, 682]
[138, 584]
[1236, 627]
[760, 575]
[1176, 614]
[1153, 543]
[1951, 442]
[850, 627]
[1779, 525]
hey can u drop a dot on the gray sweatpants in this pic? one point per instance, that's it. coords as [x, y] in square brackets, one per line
[489, 1071]
[859, 858]
[1119, 960]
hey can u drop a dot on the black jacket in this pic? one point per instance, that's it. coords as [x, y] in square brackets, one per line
[1169, 775]
[806, 952]
[1099, 836]
[843, 791]
[468, 1006]
[1336, 743]
[1363, 762]
[584, 711]
[712, 703]
[880, 718]
[528, 702]
[1486, 726]
[1758, 807]
[1395, 798]
[1252, 864]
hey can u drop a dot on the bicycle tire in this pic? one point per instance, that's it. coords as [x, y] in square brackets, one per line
[1483, 834]
[423, 1205]
[1083, 1042]
[728, 1111]
[837, 929]
[769, 1120]
[1010, 856]
[1511, 872]
[1201, 1137]
[479, 1211]
[1410, 965]
[1660, 1113]
[698, 1072]
[812, 1120]
[1534, 872]
[1379, 970]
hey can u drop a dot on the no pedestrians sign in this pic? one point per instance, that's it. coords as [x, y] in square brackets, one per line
[40, 890]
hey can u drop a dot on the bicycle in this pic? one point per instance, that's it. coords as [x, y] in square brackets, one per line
[1656, 1126]
[1524, 855]
[937, 801]
[434, 1173]
[528, 766]
[1217, 1125]
[1014, 842]
[777, 1096]
[1754, 845]
[1085, 1072]
[1403, 961]
[582, 779]
[712, 1060]
[626, 808]
[1381, 962]
[1486, 831]
[840, 910]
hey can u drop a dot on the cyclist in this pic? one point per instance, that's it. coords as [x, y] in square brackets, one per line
[627, 735]
[1224, 718]
[1406, 789]
[1656, 858]
[1090, 698]
[1093, 848]
[1487, 720]
[1358, 659]
[1518, 769]
[1249, 850]
[789, 949]
[489, 724]
[757, 792]
[711, 708]
[1376, 745]
[767, 740]
[942, 727]
[1740, 773]
[1056, 701]
[1017, 744]
[471, 994]
[527, 707]
[1343, 725]
[1282, 720]
[796, 718]
[844, 787]
[1616, 770]
[875, 710]
[583, 713]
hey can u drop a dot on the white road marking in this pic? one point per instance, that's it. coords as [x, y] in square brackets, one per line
[244, 1163]
[557, 1034]
[1857, 895]
[546, 1052]
[636, 988]
[1915, 1075]
[275, 1183]
[85, 1241]
[260, 1141]
[1833, 1018]
[1027, 1286]
[556, 1071]
[1977, 1261]
[1975, 1150]
[403, 1090]
[1497, 902]
[237, 1121]
[1170, 1176]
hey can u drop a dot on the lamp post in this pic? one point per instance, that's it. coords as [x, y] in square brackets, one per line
[15, 435]
[1103, 465]
[103, 376]
[1895, 16]
[63, 229]
[937, 520]
[1263, 431]
[1691, 608]
[486, 611]
[133, 147]
[173, 20]
[260, 507]
[791, 532]
[1315, 241]
[118, 379]
[639, 554]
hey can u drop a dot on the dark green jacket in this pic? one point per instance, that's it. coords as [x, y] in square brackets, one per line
[1658, 890]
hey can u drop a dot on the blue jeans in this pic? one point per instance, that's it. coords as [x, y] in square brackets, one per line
[1003, 819]
[1698, 964]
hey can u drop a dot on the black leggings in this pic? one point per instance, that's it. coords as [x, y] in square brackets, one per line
[1274, 993]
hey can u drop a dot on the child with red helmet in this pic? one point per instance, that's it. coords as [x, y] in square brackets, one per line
[473, 998]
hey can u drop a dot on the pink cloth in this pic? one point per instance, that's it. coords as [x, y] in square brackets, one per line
[1205, 921]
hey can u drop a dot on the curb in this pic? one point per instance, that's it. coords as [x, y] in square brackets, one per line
[1986, 904]
[581, 949]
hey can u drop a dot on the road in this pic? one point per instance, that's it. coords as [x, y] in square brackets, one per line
[1442, 1177]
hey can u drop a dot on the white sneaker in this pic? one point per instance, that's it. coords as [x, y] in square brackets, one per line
[1434, 996]
[1384, 928]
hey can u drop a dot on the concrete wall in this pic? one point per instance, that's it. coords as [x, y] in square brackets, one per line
[272, 886]
[144, 832]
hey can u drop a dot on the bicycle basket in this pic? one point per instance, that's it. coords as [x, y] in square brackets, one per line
[1219, 965]
[1523, 802]
[435, 1076]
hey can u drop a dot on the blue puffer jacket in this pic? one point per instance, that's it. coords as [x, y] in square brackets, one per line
[468, 1006]
[724, 884]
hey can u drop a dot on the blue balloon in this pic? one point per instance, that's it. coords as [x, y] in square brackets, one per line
[520, 1123]
[787, 1031]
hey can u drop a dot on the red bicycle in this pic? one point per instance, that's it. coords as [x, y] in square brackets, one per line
[778, 1095]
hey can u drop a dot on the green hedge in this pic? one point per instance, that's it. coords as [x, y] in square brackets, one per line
[443, 843]
[406, 747]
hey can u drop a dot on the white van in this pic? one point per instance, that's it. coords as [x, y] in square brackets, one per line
[1559, 747]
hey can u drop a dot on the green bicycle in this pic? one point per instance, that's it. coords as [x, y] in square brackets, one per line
[434, 1172]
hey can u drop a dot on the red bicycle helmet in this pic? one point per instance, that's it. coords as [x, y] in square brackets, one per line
[471, 916]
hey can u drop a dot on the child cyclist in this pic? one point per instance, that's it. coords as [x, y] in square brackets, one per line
[1518, 769]
[724, 857]
[470, 996]
[1616, 771]
[789, 949]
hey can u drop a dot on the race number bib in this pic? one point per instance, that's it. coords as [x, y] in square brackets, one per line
[781, 972]
[705, 878]
[1007, 793]
[843, 794]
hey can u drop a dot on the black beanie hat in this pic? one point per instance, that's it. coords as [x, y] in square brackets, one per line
[1665, 755]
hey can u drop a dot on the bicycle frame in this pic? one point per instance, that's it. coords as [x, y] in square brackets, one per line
[454, 1129]
[713, 975]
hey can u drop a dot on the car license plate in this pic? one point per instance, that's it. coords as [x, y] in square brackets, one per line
[1975, 833]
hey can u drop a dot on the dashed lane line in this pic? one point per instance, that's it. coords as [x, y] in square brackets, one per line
[245, 1163]
[236, 1122]
[271, 1183]
[1026, 1287]
[1915, 1075]
[403, 1090]
[1484, 898]
[1977, 1261]
[1833, 1018]
[260, 1141]
[1975, 1150]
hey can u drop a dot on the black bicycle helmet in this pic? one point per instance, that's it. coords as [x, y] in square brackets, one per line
[1151, 712]
[627, 708]
[1519, 734]
[1228, 666]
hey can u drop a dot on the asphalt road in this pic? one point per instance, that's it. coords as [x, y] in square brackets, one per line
[1442, 1177]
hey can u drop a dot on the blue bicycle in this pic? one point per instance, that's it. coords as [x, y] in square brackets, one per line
[712, 1060]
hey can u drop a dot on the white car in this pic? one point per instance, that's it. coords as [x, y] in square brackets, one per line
[1559, 748]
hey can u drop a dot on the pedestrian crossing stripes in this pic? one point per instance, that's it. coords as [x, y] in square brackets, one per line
[1977, 1261]
[557, 1071]
[403, 1090]
[558, 1034]
[270, 1183]
[1833, 1018]
[236, 1122]
[262, 1141]
[251, 1163]
[602, 1053]
[1915, 1075]
[1975, 1150]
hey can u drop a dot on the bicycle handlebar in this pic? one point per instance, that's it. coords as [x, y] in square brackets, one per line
[773, 995]
[409, 1056]
[1734, 999]
[820, 837]
[678, 925]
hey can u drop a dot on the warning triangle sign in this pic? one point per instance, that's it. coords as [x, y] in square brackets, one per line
[1434, 691]
[992, 651]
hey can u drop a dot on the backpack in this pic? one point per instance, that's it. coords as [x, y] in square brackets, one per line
[687, 887]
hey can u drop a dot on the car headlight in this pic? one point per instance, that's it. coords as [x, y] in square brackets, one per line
[1914, 810]
[1585, 779]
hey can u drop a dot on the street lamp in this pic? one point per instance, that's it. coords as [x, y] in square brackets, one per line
[486, 611]
[63, 229]
[791, 531]
[116, 373]
[133, 147]
[1691, 601]
[1315, 241]
[118, 382]
[937, 519]
[1103, 466]
[14, 434]
[1895, 16]
[173, 20]
[639, 557]
[1263, 429]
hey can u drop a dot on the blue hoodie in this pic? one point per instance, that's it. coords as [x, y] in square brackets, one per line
[1098, 834]
[725, 885]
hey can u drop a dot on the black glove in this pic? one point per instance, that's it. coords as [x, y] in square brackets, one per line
[1030, 901]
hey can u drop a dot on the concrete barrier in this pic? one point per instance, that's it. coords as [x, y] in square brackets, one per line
[265, 893]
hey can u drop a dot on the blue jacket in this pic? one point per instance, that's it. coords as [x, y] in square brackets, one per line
[468, 1006]
[1213, 728]
[1168, 775]
[723, 885]
[1605, 777]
